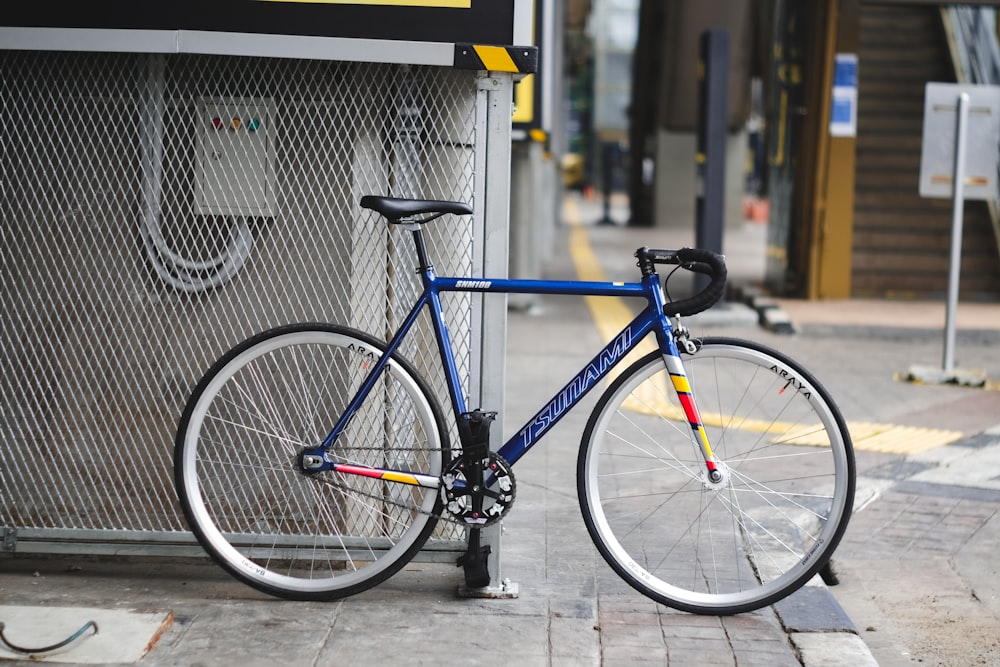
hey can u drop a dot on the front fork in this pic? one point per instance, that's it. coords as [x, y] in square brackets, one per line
[675, 367]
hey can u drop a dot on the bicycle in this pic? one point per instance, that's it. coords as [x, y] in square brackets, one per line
[312, 461]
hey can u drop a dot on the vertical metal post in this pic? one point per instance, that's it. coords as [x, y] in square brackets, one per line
[958, 205]
[495, 95]
[713, 84]
[151, 141]
[408, 130]
[609, 158]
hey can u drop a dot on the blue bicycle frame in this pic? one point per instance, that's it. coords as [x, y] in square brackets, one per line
[651, 319]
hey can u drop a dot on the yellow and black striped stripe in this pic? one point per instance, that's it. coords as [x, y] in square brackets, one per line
[521, 59]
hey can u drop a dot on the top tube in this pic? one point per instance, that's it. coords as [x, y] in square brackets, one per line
[532, 286]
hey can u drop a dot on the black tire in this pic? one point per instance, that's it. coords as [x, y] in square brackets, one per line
[318, 536]
[717, 547]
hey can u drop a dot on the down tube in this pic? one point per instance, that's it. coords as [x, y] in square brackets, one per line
[582, 382]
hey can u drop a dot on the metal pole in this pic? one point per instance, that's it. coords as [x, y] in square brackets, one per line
[494, 99]
[710, 202]
[409, 128]
[958, 205]
[609, 157]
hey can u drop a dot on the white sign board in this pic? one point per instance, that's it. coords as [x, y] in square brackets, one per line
[937, 159]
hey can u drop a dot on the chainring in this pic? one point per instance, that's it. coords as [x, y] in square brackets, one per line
[497, 492]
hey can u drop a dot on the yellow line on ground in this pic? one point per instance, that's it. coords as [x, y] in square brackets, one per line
[897, 439]
[610, 315]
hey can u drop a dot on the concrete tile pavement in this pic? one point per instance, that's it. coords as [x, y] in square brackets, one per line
[548, 344]
[918, 570]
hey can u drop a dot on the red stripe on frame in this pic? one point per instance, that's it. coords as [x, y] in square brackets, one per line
[358, 470]
[692, 413]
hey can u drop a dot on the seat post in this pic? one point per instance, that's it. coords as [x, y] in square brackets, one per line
[423, 260]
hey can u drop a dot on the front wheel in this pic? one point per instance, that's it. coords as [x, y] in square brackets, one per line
[726, 546]
[297, 535]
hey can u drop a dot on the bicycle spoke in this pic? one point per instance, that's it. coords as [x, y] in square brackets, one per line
[307, 536]
[730, 544]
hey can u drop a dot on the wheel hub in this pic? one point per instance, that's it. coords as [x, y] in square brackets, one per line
[717, 479]
[311, 462]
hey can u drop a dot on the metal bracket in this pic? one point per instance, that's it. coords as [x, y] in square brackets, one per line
[485, 81]
[8, 538]
[507, 590]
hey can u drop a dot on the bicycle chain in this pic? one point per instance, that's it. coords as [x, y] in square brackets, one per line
[445, 515]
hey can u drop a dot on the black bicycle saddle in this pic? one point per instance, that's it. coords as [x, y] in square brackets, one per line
[397, 208]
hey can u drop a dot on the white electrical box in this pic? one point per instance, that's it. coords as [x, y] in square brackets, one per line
[234, 170]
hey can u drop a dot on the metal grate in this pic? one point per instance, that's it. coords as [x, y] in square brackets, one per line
[158, 209]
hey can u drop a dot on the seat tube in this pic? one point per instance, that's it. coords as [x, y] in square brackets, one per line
[432, 298]
[443, 338]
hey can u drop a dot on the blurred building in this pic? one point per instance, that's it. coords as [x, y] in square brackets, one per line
[846, 218]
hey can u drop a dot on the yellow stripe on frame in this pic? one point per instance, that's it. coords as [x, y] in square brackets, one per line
[704, 442]
[448, 4]
[681, 384]
[495, 58]
[403, 478]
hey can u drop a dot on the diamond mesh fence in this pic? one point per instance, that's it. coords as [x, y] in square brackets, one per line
[158, 209]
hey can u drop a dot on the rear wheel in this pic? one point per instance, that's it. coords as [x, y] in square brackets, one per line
[319, 535]
[717, 547]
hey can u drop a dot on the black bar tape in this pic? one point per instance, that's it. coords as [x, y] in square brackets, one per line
[705, 262]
